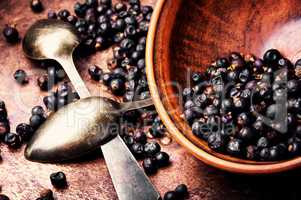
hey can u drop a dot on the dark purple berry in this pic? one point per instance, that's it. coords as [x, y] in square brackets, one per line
[101, 9]
[72, 19]
[106, 79]
[128, 140]
[140, 137]
[11, 34]
[36, 120]
[151, 148]
[95, 72]
[117, 86]
[234, 147]
[201, 130]
[293, 86]
[216, 141]
[119, 7]
[272, 56]
[138, 150]
[25, 131]
[182, 191]
[149, 166]
[51, 14]
[146, 10]
[262, 142]
[13, 140]
[36, 6]
[157, 130]
[80, 9]
[171, 195]
[58, 180]
[21, 76]
[274, 153]
[63, 14]
[244, 76]
[127, 45]
[162, 159]
[222, 62]
[50, 102]
[246, 134]
[264, 154]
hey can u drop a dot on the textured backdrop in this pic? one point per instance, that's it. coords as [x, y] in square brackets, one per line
[89, 179]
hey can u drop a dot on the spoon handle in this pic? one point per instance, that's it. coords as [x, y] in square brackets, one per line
[133, 105]
[130, 182]
[69, 67]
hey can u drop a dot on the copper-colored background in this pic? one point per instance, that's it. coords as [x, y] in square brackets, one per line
[89, 179]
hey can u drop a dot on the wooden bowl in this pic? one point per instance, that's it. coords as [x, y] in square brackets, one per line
[187, 35]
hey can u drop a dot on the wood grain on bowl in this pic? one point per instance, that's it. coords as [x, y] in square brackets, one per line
[186, 36]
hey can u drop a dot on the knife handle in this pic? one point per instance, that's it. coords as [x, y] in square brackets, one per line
[129, 179]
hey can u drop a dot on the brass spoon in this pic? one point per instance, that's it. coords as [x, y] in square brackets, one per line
[73, 130]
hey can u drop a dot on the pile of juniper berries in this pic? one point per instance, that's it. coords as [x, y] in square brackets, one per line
[247, 107]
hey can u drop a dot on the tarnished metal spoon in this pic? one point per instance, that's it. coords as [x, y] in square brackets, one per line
[77, 129]
[82, 126]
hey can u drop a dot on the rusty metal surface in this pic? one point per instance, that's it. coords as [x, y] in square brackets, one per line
[89, 179]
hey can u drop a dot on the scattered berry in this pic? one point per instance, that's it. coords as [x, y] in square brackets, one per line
[25, 131]
[171, 195]
[36, 121]
[95, 72]
[13, 140]
[151, 148]
[149, 166]
[38, 110]
[162, 159]
[21, 76]
[181, 191]
[11, 34]
[36, 6]
[58, 180]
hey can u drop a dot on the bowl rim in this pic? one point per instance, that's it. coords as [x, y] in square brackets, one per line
[199, 153]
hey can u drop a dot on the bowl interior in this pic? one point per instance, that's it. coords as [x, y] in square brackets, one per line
[190, 34]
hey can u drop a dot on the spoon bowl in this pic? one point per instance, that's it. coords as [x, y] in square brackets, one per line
[56, 40]
[78, 128]
[74, 130]
[49, 39]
